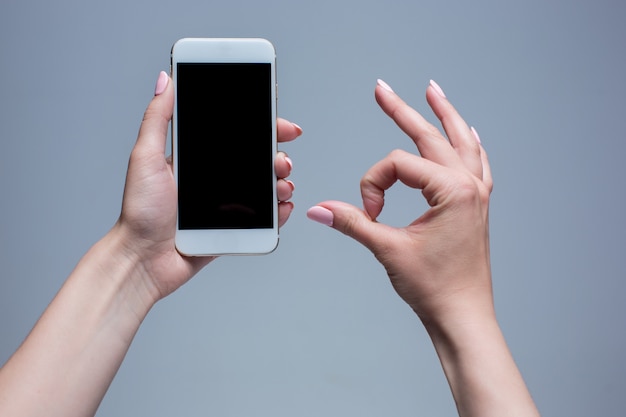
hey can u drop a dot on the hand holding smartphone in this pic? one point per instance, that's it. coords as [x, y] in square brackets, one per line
[224, 145]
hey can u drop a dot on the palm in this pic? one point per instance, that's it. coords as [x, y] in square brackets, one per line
[148, 216]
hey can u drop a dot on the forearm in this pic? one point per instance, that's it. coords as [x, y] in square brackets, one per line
[480, 369]
[68, 361]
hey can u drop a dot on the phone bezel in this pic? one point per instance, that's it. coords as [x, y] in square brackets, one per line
[213, 242]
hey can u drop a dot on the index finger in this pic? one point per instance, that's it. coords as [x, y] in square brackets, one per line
[428, 139]
[412, 170]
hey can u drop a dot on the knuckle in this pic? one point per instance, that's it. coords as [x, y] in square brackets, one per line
[466, 190]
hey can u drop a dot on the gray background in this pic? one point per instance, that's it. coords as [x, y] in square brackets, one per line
[315, 328]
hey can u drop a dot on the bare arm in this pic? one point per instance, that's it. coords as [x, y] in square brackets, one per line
[66, 364]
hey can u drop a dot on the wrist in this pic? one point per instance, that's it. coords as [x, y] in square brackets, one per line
[119, 270]
[455, 328]
[478, 364]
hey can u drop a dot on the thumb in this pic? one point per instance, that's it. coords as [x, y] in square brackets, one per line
[348, 219]
[153, 131]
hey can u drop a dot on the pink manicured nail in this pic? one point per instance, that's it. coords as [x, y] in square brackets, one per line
[475, 133]
[289, 162]
[320, 215]
[298, 128]
[384, 85]
[161, 83]
[437, 88]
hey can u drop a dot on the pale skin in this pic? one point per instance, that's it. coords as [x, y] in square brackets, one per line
[69, 359]
[439, 264]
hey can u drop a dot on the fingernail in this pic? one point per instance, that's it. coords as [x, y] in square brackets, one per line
[384, 85]
[437, 88]
[475, 133]
[298, 128]
[289, 162]
[161, 83]
[291, 184]
[321, 215]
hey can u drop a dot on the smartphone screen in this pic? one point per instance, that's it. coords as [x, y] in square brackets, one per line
[225, 154]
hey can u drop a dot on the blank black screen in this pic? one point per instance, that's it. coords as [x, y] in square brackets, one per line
[224, 127]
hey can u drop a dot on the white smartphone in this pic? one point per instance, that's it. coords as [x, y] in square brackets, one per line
[224, 146]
